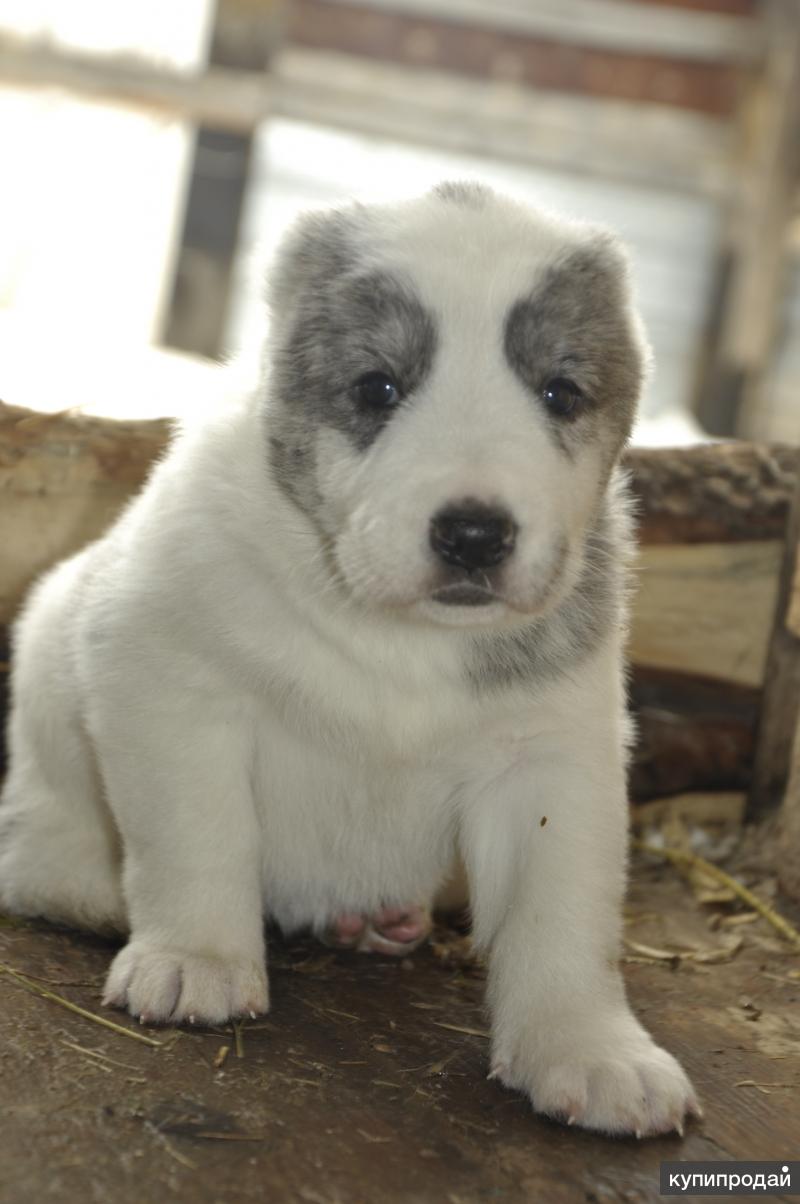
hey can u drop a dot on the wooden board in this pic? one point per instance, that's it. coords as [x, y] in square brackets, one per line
[637, 73]
[706, 609]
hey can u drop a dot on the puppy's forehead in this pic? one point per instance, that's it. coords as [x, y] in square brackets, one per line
[472, 246]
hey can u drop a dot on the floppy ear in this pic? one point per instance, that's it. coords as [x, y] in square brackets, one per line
[320, 246]
[605, 266]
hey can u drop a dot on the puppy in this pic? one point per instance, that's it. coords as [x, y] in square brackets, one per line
[369, 618]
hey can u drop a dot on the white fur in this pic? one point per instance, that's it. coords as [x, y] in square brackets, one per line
[210, 725]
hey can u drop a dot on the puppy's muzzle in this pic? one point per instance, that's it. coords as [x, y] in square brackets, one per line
[472, 536]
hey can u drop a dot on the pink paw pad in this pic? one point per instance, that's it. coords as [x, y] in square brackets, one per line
[345, 932]
[393, 930]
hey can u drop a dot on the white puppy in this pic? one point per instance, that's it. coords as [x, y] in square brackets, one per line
[370, 617]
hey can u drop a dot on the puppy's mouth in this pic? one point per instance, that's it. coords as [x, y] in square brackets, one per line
[465, 593]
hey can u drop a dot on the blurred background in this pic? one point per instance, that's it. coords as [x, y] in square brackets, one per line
[153, 152]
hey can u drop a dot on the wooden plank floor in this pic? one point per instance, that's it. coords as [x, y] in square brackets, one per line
[355, 1090]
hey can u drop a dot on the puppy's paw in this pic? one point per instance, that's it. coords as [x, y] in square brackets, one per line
[615, 1080]
[168, 986]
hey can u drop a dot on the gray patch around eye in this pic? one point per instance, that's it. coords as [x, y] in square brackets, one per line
[346, 320]
[551, 646]
[577, 324]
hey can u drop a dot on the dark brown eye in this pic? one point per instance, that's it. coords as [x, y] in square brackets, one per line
[377, 390]
[562, 397]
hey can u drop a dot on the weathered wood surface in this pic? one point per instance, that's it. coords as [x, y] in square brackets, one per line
[713, 493]
[713, 523]
[676, 150]
[352, 1092]
[434, 108]
[244, 36]
[569, 56]
[231, 100]
[780, 709]
[706, 609]
[63, 480]
[692, 734]
[788, 864]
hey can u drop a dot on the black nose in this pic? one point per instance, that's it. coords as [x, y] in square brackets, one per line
[472, 536]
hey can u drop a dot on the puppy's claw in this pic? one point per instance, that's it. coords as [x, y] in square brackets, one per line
[191, 1019]
[570, 1119]
[679, 1128]
[252, 1014]
[639, 1134]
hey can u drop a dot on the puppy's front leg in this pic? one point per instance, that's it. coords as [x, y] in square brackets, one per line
[179, 789]
[545, 850]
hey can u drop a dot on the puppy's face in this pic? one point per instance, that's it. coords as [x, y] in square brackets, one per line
[452, 382]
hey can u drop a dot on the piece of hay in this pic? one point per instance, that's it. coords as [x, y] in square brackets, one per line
[461, 1028]
[35, 989]
[691, 862]
[222, 1054]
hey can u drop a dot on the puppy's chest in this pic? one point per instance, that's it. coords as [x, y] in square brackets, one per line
[367, 696]
[344, 828]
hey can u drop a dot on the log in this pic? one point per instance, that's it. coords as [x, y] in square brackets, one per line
[63, 480]
[692, 734]
[713, 493]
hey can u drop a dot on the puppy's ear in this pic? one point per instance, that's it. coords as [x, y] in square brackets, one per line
[603, 265]
[319, 247]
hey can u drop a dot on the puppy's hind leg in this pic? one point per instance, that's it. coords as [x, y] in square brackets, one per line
[59, 853]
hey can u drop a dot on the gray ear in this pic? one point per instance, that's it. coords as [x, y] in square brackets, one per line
[320, 246]
[605, 263]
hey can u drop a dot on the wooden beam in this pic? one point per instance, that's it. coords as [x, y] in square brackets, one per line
[780, 709]
[648, 144]
[729, 8]
[719, 35]
[788, 860]
[482, 48]
[229, 100]
[751, 268]
[243, 39]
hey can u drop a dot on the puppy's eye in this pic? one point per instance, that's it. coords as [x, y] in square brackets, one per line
[563, 397]
[377, 390]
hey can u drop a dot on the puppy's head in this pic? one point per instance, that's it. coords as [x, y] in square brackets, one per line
[452, 381]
